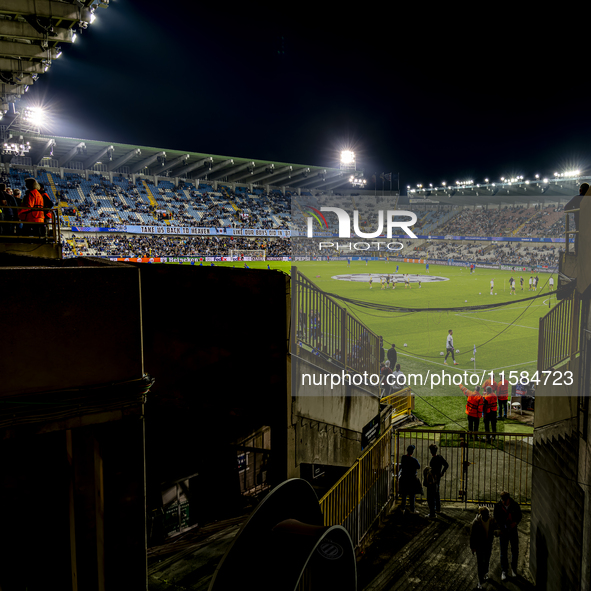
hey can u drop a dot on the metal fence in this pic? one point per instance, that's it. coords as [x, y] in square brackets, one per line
[559, 333]
[327, 328]
[478, 471]
[359, 497]
[253, 457]
[15, 230]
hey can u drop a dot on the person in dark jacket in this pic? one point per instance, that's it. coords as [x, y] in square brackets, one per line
[392, 356]
[385, 371]
[439, 467]
[47, 202]
[482, 534]
[409, 483]
[508, 515]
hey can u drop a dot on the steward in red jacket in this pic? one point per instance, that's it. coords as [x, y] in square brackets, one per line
[33, 201]
[474, 406]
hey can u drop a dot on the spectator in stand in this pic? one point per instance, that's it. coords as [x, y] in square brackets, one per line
[19, 203]
[7, 213]
[33, 202]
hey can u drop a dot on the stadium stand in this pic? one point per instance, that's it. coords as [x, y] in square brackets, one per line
[120, 207]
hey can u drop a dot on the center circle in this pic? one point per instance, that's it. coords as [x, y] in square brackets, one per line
[394, 277]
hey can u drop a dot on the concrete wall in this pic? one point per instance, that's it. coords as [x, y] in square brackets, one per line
[69, 327]
[553, 405]
[327, 423]
[561, 477]
[558, 510]
[71, 440]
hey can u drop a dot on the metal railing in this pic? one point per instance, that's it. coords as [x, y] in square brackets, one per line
[327, 328]
[400, 401]
[358, 498]
[253, 455]
[15, 230]
[559, 333]
[478, 471]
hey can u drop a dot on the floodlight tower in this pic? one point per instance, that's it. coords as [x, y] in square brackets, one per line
[30, 119]
[348, 160]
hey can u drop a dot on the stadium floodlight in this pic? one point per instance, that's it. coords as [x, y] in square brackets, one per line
[347, 157]
[35, 116]
[348, 160]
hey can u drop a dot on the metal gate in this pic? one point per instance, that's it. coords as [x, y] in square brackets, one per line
[478, 471]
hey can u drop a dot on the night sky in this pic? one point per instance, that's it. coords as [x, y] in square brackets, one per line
[429, 93]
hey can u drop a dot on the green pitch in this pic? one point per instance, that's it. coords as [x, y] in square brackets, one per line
[506, 338]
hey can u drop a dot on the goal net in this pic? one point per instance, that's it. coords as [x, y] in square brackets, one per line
[253, 255]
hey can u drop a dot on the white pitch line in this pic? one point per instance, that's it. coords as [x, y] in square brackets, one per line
[497, 321]
[471, 370]
[517, 364]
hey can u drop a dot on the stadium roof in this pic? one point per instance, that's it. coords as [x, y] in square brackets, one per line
[45, 150]
[30, 35]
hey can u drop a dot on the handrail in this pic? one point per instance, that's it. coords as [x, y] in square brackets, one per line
[363, 492]
[401, 400]
[49, 223]
[559, 334]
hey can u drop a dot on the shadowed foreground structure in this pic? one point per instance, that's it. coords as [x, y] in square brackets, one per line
[412, 552]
